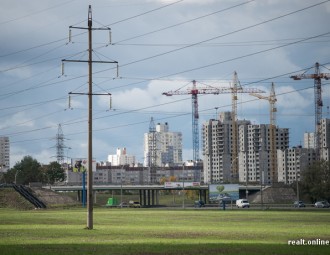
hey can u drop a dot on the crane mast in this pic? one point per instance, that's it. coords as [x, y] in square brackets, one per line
[234, 144]
[195, 121]
[272, 130]
[317, 76]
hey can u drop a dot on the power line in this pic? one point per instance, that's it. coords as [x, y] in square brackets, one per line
[182, 23]
[144, 13]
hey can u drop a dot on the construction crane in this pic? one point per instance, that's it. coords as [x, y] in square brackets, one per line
[194, 91]
[236, 88]
[317, 76]
[272, 130]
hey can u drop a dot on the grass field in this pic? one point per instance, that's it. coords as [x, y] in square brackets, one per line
[155, 231]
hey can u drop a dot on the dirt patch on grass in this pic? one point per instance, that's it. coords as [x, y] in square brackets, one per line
[50, 197]
[9, 198]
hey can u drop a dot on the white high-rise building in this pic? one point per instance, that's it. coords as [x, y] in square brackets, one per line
[292, 162]
[121, 158]
[168, 146]
[309, 140]
[254, 152]
[4, 154]
[217, 140]
[325, 139]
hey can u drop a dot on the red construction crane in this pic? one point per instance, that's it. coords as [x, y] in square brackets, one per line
[317, 76]
[194, 91]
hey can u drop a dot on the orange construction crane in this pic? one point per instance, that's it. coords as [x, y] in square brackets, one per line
[237, 88]
[317, 76]
[272, 130]
[194, 91]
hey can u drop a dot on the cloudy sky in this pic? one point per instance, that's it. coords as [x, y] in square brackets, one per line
[160, 45]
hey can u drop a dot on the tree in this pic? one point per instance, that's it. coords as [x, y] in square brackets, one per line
[315, 182]
[53, 173]
[220, 188]
[26, 171]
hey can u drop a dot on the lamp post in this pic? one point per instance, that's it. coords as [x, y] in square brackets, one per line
[297, 182]
[183, 177]
[121, 188]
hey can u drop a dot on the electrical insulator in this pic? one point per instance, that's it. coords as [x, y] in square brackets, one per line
[62, 68]
[110, 103]
[110, 36]
[70, 102]
[117, 70]
[69, 35]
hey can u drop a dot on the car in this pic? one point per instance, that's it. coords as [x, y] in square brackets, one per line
[122, 204]
[199, 203]
[322, 204]
[134, 204]
[242, 203]
[299, 204]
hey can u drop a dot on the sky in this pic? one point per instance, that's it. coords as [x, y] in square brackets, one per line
[160, 46]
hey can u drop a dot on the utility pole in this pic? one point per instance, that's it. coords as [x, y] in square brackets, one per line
[90, 111]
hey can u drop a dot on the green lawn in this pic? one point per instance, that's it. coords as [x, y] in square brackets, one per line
[155, 231]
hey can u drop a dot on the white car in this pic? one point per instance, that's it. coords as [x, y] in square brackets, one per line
[242, 203]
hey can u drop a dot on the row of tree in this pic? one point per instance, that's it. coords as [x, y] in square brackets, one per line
[30, 170]
[315, 182]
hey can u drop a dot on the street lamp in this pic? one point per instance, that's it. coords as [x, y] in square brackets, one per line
[298, 158]
[121, 188]
[183, 177]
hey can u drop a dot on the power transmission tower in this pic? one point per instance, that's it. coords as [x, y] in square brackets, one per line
[60, 145]
[90, 111]
[317, 76]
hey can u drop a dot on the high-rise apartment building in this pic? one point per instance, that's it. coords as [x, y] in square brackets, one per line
[4, 154]
[217, 142]
[309, 140]
[292, 162]
[325, 139]
[167, 146]
[121, 158]
[254, 152]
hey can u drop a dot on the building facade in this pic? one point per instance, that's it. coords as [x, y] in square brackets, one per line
[292, 162]
[217, 142]
[325, 139]
[309, 140]
[254, 152]
[4, 154]
[167, 147]
[121, 158]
